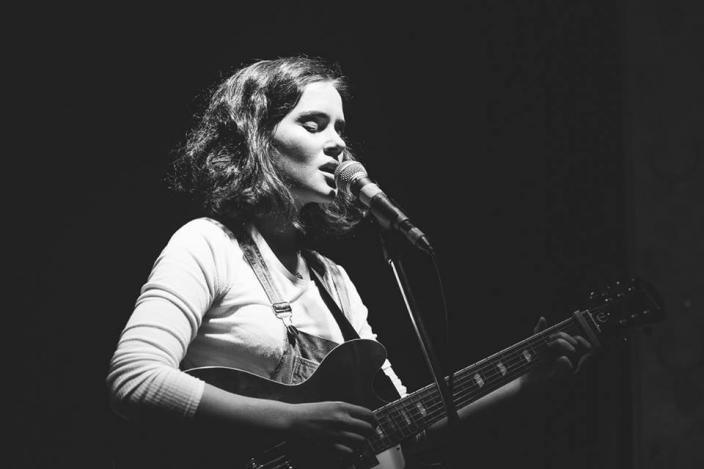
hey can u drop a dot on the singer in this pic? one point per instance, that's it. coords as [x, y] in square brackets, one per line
[243, 290]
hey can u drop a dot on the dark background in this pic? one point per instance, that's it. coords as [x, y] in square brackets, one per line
[544, 147]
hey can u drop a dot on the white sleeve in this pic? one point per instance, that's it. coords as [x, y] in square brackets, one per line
[359, 313]
[185, 280]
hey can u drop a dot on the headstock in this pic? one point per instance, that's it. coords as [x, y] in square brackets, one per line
[624, 304]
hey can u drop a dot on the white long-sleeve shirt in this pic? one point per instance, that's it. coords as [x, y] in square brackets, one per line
[202, 305]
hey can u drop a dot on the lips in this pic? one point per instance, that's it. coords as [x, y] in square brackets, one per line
[330, 167]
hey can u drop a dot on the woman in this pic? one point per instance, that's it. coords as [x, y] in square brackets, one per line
[261, 160]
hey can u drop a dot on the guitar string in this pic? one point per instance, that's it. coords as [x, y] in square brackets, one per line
[282, 458]
[533, 339]
[435, 407]
[510, 358]
[431, 406]
[488, 363]
[277, 461]
[512, 362]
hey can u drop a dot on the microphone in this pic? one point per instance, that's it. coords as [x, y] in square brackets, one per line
[352, 179]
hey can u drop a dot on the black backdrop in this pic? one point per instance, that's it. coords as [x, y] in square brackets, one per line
[496, 126]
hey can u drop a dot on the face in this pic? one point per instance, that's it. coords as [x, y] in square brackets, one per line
[309, 144]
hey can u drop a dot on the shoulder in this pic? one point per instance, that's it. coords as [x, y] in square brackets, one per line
[203, 246]
[203, 237]
[204, 228]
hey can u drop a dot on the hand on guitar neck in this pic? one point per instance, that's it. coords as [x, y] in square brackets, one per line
[567, 354]
[564, 356]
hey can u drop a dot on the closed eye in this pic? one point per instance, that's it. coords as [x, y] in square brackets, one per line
[311, 126]
[313, 121]
[318, 121]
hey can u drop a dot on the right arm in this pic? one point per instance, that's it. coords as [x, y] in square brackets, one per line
[145, 381]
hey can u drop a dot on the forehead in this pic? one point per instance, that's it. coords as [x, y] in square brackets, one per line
[320, 97]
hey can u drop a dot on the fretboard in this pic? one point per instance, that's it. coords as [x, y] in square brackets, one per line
[409, 415]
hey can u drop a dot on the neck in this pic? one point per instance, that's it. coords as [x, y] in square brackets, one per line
[283, 239]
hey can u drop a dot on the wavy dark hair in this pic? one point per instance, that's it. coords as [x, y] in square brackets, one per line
[227, 163]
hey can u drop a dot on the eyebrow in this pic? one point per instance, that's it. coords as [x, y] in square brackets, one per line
[308, 114]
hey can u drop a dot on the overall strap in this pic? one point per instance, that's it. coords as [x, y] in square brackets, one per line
[282, 308]
[322, 269]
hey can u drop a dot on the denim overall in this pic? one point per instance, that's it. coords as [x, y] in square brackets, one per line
[303, 352]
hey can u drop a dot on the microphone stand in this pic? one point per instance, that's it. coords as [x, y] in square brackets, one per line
[392, 258]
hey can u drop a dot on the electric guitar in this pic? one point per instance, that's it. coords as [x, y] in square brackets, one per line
[347, 374]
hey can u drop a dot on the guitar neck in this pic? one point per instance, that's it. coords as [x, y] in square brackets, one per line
[409, 415]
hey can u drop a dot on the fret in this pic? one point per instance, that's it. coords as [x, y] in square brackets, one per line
[406, 418]
[478, 379]
[428, 399]
[491, 375]
[421, 409]
[393, 426]
[386, 430]
[416, 418]
[397, 423]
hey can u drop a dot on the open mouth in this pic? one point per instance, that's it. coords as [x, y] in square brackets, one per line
[328, 170]
[330, 167]
[330, 179]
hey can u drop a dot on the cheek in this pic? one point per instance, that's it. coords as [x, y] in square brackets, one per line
[296, 145]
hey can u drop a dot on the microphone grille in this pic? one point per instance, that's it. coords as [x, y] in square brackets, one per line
[346, 173]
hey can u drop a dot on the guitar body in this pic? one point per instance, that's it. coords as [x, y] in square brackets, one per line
[346, 374]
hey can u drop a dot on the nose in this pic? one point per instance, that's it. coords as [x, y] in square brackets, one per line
[335, 146]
